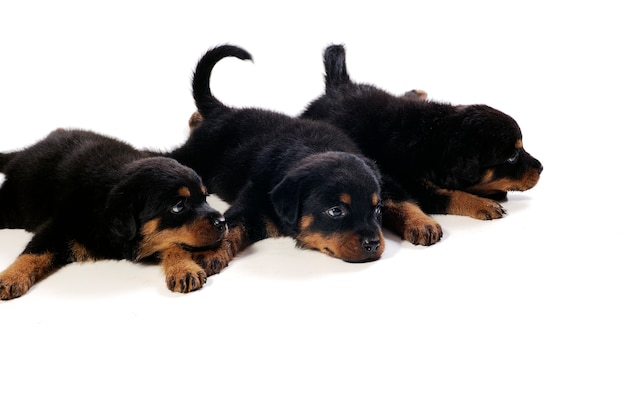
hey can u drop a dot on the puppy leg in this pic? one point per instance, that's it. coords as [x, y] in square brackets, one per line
[195, 120]
[416, 95]
[244, 229]
[182, 273]
[216, 260]
[42, 256]
[22, 274]
[407, 219]
[463, 203]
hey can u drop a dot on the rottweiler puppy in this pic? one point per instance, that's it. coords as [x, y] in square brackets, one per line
[282, 176]
[451, 159]
[89, 197]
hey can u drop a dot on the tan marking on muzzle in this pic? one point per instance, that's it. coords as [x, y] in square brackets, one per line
[345, 246]
[199, 233]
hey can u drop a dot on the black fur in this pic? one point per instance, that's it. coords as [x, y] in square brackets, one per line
[282, 176]
[90, 197]
[450, 159]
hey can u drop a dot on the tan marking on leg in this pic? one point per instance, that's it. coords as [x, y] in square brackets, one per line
[195, 120]
[416, 95]
[271, 230]
[409, 221]
[79, 253]
[182, 273]
[25, 271]
[463, 203]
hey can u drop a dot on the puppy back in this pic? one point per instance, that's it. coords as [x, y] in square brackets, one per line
[206, 103]
[5, 158]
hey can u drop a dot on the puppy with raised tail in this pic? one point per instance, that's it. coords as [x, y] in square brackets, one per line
[450, 159]
[282, 176]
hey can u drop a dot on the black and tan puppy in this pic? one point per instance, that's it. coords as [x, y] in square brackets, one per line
[89, 197]
[450, 159]
[282, 176]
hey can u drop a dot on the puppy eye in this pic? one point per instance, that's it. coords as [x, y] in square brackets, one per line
[378, 211]
[336, 212]
[513, 158]
[179, 207]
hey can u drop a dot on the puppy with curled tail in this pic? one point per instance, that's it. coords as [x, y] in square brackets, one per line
[282, 176]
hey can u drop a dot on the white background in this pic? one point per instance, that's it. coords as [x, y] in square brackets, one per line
[519, 316]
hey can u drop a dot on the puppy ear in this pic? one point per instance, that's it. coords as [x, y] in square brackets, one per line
[285, 198]
[464, 170]
[120, 214]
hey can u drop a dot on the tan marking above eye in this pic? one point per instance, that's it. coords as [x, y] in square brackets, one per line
[519, 144]
[345, 198]
[375, 199]
[184, 192]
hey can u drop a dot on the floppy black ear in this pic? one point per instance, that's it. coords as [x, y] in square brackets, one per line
[285, 198]
[463, 171]
[120, 214]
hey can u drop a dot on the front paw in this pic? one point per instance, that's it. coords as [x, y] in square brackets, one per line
[185, 278]
[424, 232]
[470, 205]
[490, 210]
[408, 220]
[213, 261]
[22, 274]
[12, 287]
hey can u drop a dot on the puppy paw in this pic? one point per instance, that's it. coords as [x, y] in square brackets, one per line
[182, 274]
[423, 233]
[13, 286]
[408, 220]
[213, 261]
[20, 276]
[195, 120]
[416, 95]
[186, 280]
[470, 205]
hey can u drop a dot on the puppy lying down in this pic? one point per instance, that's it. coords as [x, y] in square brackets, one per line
[450, 159]
[282, 176]
[88, 197]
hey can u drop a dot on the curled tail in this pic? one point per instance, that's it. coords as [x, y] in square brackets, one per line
[205, 101]
[335, 66]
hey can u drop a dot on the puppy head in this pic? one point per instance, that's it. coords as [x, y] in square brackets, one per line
[331, 202]
[487, 156]
[160, 203]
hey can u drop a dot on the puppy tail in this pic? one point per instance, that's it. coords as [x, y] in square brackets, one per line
[205, 101]
[335, 66]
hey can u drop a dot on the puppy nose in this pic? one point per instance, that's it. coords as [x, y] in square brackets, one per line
[370, 245]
